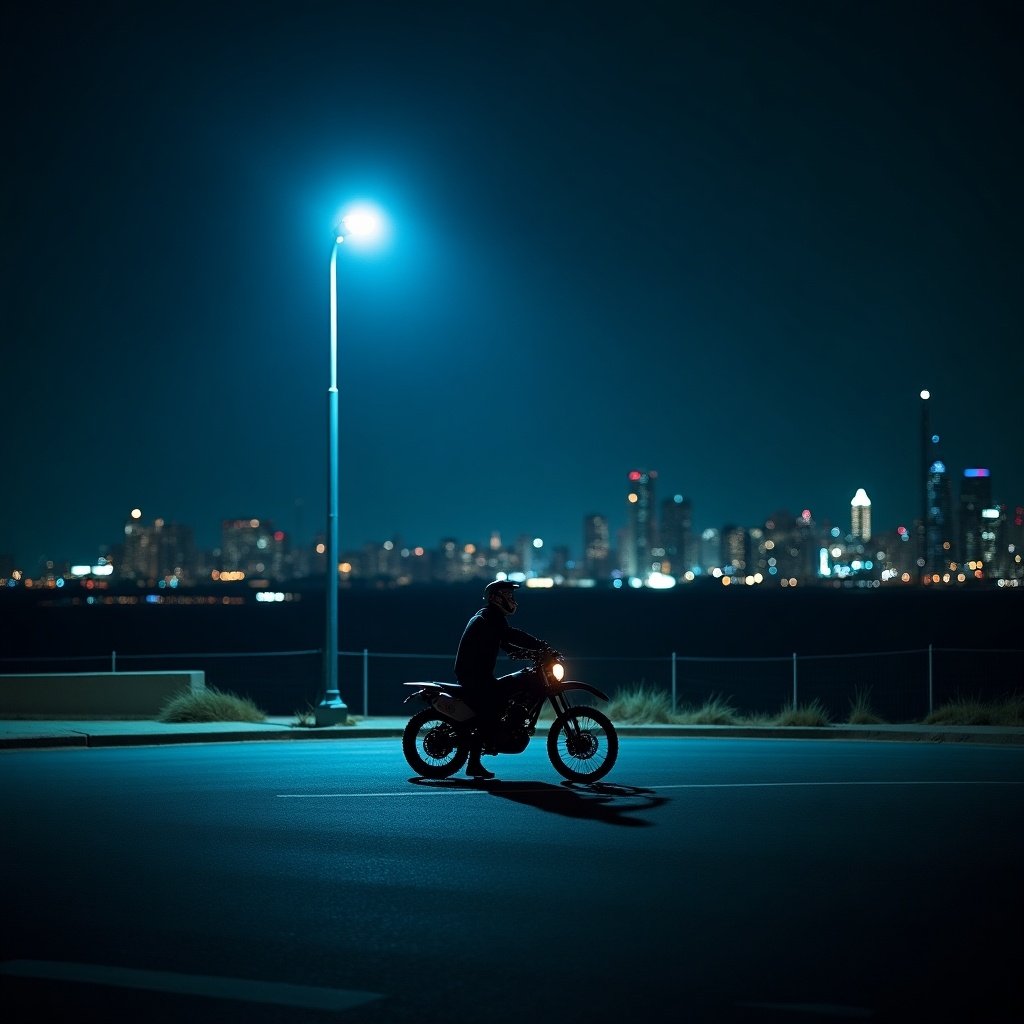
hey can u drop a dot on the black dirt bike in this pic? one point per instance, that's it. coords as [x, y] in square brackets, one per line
[582, 742]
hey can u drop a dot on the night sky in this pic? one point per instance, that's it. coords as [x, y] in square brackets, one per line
[730, 242]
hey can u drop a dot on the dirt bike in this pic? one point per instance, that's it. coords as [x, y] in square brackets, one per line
[582, 742]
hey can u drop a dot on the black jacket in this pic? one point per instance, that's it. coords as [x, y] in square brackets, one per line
[485, 634]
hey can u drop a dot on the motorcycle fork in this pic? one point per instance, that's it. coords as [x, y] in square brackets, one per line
[561, 706]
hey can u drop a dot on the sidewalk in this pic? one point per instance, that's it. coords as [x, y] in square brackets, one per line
[38, 733]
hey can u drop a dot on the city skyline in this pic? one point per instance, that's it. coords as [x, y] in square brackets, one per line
[730, 243]
[651, 530]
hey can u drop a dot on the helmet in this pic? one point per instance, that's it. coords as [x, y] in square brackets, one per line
[500, 592]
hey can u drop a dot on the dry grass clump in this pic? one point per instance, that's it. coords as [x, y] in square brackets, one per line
[716, 710]
[641, 705]
[210, 705]
[861, 711]
[811, 714]
[968, 711]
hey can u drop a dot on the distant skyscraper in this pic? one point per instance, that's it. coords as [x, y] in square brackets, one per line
[596, 547]
[252, 546]
[676, 536]
[162, 551]
[860, 516]
[138, 560]
[710, 549]
[640, 524]
[735, 549]
[936, 534]
[975, 498]
[921, 526]
[939, 523]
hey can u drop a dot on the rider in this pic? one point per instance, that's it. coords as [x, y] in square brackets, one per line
[487, 632]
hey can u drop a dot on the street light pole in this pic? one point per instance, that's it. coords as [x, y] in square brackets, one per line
[362, 222]
[332, 709]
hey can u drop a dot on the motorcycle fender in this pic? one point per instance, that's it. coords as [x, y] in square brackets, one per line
[575, 684]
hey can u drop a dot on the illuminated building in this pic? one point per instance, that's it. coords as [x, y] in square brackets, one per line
[975, 498]
[252, 547]
[160, 552]
[638, 559]
[860, 516]
[735, 550]
[936, 536]
[710, 549]
[939, 519]
[676, 535]
[597, 552]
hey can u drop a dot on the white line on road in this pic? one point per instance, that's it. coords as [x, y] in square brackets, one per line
[608, 789]
[278, 993]
[867, 782]
[425, 792]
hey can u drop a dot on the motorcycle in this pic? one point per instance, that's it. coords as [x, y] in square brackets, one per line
[582, 743]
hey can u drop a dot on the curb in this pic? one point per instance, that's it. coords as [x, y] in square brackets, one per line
[83, 738]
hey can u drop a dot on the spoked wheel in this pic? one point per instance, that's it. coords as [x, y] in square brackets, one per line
[583, 745]
[433, 746]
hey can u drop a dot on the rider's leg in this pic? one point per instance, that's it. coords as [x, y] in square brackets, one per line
[479, 702]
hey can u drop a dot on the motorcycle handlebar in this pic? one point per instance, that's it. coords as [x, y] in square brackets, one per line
[525, 654]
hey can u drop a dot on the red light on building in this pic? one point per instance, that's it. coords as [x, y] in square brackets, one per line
[279, 535]
[634, 474]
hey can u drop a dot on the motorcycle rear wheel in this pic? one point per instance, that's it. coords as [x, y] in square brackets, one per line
[433, 746]
[583, 745]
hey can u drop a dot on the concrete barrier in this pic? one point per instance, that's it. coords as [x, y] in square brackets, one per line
[94, 694]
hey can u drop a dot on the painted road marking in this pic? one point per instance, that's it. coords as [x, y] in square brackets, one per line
[425, 792]
[278, 993]
[868, 782]
[608, 789]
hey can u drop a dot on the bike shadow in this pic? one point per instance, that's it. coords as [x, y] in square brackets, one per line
[605, 802]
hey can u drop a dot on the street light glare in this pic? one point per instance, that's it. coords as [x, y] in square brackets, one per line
[362, 223]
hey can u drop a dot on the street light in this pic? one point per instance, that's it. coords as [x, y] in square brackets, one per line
[360, 223]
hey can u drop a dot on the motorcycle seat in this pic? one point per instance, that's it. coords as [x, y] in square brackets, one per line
[450, 687]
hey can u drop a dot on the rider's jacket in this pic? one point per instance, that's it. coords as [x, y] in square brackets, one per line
[486, 633]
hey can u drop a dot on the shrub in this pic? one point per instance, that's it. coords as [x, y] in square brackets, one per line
[861, 712]
[641, 705]
[210, 705]
[968, 711]
[807, 714]
[716, 710]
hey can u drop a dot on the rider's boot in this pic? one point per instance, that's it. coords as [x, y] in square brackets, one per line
[474, 769]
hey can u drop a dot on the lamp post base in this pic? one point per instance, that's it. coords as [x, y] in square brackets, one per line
[331, 712]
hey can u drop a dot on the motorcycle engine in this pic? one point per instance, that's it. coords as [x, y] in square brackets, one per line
[510, 740]
[512, 734]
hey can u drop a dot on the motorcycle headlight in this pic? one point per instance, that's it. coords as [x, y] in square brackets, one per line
[558, 670]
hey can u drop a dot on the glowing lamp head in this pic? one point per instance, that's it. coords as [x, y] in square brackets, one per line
[362, 223]
[558, 671]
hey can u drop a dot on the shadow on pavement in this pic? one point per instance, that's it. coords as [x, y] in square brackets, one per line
[597, 801]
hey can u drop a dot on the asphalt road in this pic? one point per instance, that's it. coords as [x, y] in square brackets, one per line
[732, 880]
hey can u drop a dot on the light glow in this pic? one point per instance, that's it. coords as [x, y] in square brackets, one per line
[361, 223]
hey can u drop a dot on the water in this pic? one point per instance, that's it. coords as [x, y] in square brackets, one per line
[612, 638]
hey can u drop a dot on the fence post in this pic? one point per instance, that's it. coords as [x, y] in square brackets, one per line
[931, 690]
[366, 683]
[113, 661]
[794, 681]
[673, 680]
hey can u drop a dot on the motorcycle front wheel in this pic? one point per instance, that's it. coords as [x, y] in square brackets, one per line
[583, 745]
[433, 746]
